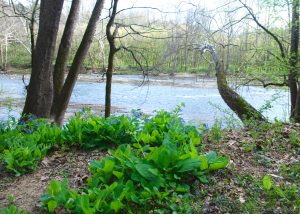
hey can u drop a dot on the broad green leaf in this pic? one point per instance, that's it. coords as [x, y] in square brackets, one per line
[188, 165]
[85, 204]
[52, 206]
[116, 205]
[145, 170]
[118, 174]
[108, 166]
[219, 163]
[211, 157]
[164, 155]
[204, 163]
[267, 182]
[54, 188]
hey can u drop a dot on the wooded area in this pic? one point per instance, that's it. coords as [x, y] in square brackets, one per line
[156, 162]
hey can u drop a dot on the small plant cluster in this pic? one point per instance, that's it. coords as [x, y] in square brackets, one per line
[12, 208]
[24, 144]
[95, 132]
[137, 178]
[276, 194]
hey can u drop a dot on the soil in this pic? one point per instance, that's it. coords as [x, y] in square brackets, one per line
[27, 189]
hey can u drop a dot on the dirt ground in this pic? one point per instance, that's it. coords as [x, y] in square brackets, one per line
[27, 189]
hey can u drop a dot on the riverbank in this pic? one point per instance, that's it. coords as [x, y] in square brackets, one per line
[178, 80]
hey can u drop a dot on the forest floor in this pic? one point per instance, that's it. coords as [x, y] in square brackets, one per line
[239, 188]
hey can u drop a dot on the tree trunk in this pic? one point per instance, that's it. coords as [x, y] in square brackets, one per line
[236, 103]
[294, 57]
[6, 50]
[109, 73]
[61, 103]
[32, 29]
[112, 51]
[64, 49]
[40, 90]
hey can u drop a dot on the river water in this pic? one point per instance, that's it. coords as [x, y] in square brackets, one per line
[201, 98]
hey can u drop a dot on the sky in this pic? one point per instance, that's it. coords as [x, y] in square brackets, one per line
[162, 4]
[168, 6]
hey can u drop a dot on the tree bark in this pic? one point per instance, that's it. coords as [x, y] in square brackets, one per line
[32, 29]
[40, 90]
[112, 51]
[61, 103]
[64, 49]
[294, 57]
[236, 103]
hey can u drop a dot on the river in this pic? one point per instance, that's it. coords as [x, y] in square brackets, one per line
[201, 98]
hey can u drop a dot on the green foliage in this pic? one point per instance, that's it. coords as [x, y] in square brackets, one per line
[294, 138]
[23, 145]
[91, 132]
[156, 160]
[12, 208]
[154, 128]
[267, 182]
[215, 132]
[286, 194]
[137, 180]
[96, 132]
[291, 172]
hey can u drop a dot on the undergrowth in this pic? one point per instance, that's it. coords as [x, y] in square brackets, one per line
[153, 161]
[157, 164]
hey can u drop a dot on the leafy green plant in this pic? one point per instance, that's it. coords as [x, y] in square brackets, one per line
[12, 208]
[23, 145]
[156, 127]
[267, 182]
[289, 195]
[215, 132]
[136, 178]
[294, 138]
[23, 158]
[99, 131]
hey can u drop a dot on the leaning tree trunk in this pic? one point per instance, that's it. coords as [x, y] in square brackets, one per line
[64, 49]
[61, 103]
[40, 91]
[236, 103]
[294, 57]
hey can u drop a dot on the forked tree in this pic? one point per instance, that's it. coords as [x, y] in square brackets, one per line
[43, 100]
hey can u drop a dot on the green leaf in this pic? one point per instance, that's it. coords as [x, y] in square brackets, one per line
[108, 166]
[116, 205]
[219, 163]
[52, 206]
[211, 157]
[204, 162]
[188, 165]
[267, 182]
[164, 155]
[84, 204]
[203, 179]
[54, 188]
[146, 170]
[118, 174]
[10, 199]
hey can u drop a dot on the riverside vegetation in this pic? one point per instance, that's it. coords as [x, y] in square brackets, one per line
[159, 163]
